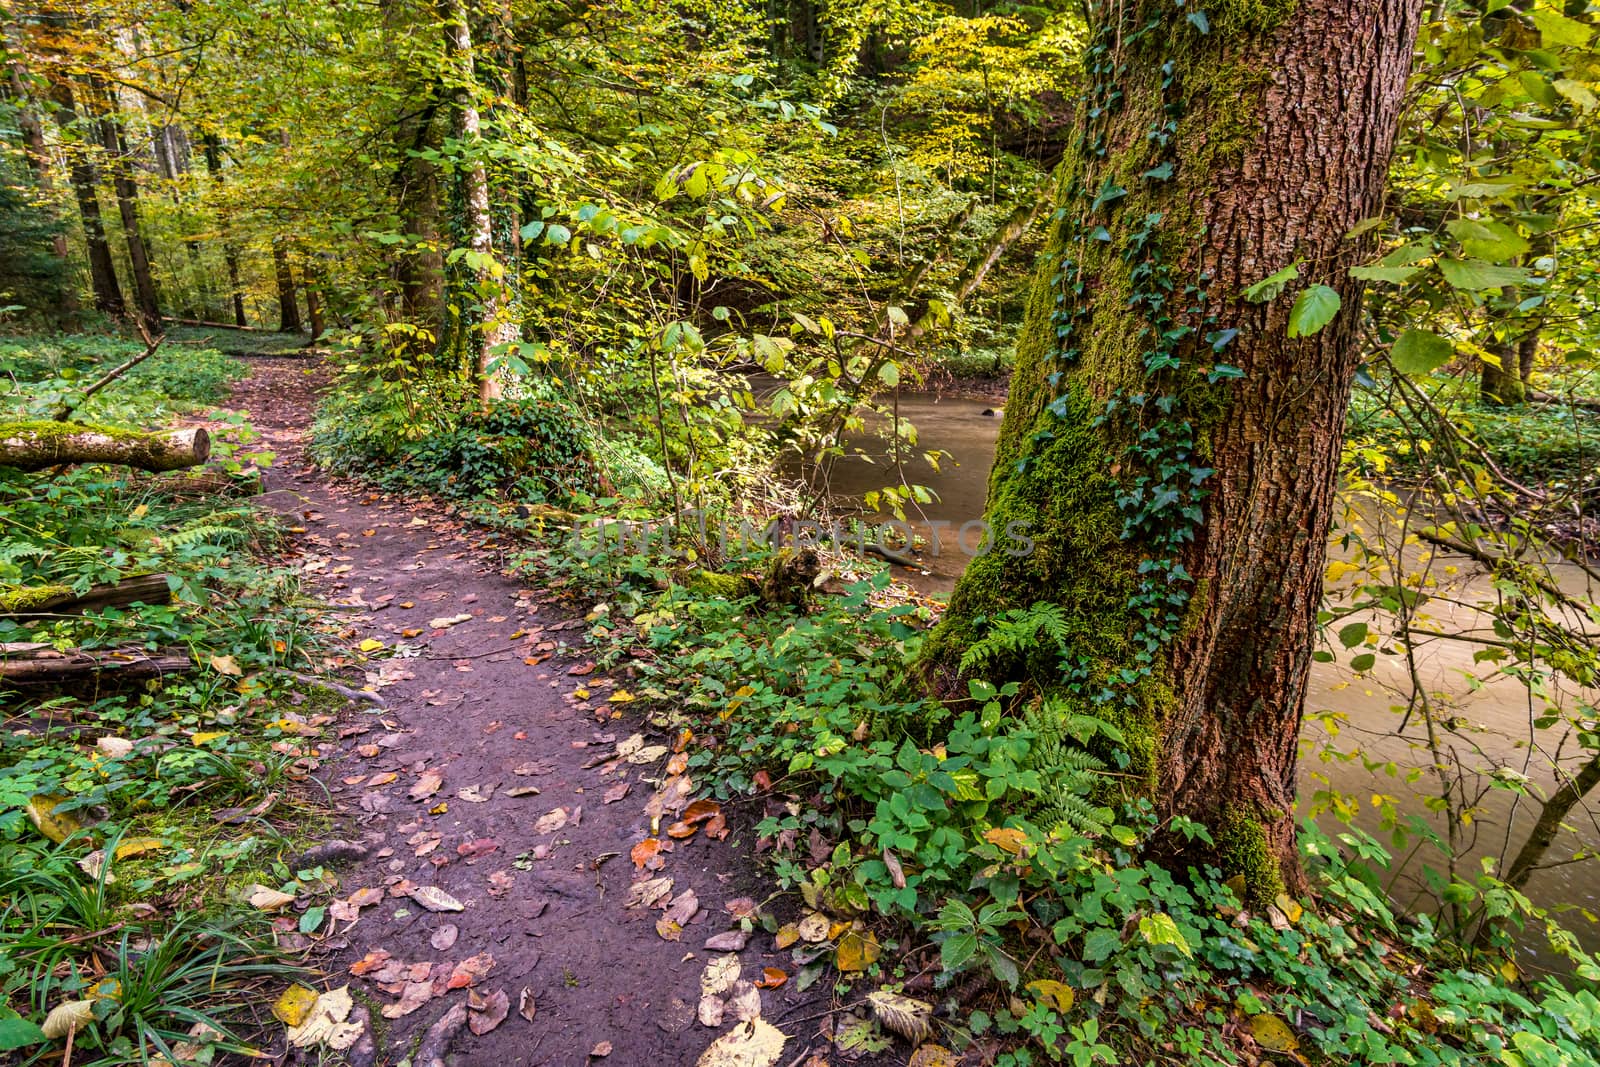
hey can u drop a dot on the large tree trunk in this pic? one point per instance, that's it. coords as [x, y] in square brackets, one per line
[495, 327]
[32, 446]
[85, 178]
[1204, 163]
[127, 191]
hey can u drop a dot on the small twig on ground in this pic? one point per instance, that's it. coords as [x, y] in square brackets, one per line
[343, 690]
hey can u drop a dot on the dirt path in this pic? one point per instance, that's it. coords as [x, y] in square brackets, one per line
[491, 776]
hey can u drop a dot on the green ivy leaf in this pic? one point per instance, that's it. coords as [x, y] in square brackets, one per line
[1420, 352]
[1313, 309]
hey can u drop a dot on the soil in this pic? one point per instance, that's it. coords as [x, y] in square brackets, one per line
[487, 706]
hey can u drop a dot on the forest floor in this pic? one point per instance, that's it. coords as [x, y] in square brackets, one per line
[499, 783]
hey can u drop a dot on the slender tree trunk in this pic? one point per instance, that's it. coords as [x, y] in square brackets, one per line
[314, 310]
[212, 147]
[1179, 518]
[127, 191]
[496, 328]
[85, 178]
[288, 305]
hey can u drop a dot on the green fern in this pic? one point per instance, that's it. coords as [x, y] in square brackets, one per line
[1070, 775]
[1016, 633]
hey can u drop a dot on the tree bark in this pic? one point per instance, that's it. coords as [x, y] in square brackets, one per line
[85, 178]
[495, 326]
[37, 153]
[31, 665]
[211, 145]
[288, 305]
[61, 600]
[127, 191]
[1179, 519]
[32, 446]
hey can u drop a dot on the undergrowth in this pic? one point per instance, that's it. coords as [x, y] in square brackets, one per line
[136, 817]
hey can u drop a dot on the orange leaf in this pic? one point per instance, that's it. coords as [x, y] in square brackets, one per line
[762, 779]
[717, 827]
[771, 978]
[684, 737]
[681, 829]
[701, 810]
[646, 854]
[678, 763]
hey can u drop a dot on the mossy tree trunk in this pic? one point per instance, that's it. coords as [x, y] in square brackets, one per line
[1175, 476]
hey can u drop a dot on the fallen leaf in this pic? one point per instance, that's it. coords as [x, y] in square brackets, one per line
[1006, 840]
[496, 1005]
[601, 1050]
[787, 935]
[427, 785]
[500, 883]
[325, 1023]
[813, 927]
[525, 1004]
[264, 899]
[616, 792]
[1273, 1033]
[710, 1011]
[745, 1001]
[681, 830]
[366, 898]
[470, 971]
[435, 899]
[904, 1015]
[471, 850]
[684, 906]
[550, 823]
[716, 827]
[856, 952]
[741, 908]
[412, 997]
[756, 1043]
[728, 941]
[647, 893]
[444, 937]
[370, 962]
[771, 978]
[720, 974]
[1055, 995]
[523, 791]
[114, 747]
[646, 854]
[226, 665]
[294, 1004]
[476, 794]
[648, 754]
[67, 1018]
[700, 810]
[444, 622]
[933, 1056]
[678, 763]
[669, 929]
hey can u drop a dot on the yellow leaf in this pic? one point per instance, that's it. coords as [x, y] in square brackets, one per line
[756, 1043]
[621, 696]
[294, 1005]
[1273, 1034]
[1057, 995]
[226, 665]
[270, 899]
[787, 935]
[206, 735]
[857, 952]
[56, 825]
[1290, 907]
[931, 1055]
[370, 645]
[138, 846]
[1006, 840]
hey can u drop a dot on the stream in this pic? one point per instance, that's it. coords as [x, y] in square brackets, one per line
[1493, 713]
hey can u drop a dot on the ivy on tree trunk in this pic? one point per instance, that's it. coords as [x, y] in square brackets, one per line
[1171, 446]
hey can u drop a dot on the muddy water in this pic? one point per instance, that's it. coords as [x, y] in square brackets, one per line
[1492, 714]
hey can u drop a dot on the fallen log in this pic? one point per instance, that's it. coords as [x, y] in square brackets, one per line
[32, 446]
[61, 600]
[37, 664]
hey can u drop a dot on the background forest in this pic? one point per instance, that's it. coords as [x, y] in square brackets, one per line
[579, 265]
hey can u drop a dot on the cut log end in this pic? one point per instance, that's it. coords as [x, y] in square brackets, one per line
[32, 446]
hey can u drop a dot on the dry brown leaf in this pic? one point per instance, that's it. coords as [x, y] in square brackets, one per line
[684, 906]
[443, 937]
[68, 1017]
[616, 792]
[435, 899]
[600, 1051]
[719, 976]
[908, 1017]
[813, 927]
[414, 996]
[933, 1056]
[525, 1003]
[717, 827]
[496, 1005]
[470, 971]
[426, 785]
[264, 899]
[551, 822]
[645, 894]
[681, 830]
[701, 810]
[366, 898]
